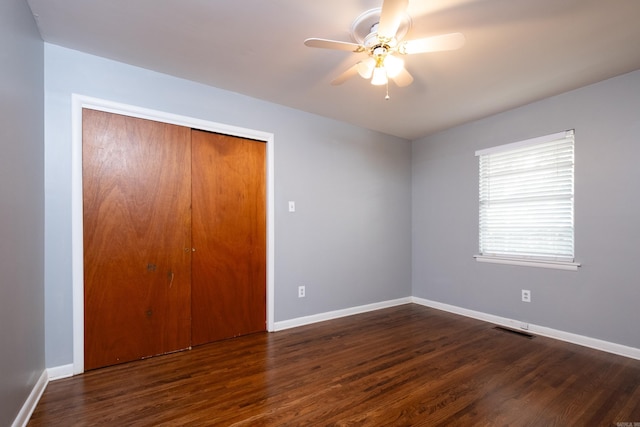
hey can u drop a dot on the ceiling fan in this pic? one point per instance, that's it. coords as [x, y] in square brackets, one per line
[379, 34]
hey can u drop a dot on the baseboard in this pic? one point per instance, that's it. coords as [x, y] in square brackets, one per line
[32, 401]
[609, 347]
[59, 372]
[321, 317]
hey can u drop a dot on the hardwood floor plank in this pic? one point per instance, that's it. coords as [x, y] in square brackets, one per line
[404, 366]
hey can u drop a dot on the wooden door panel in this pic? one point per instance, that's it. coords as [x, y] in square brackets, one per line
[137, 272]
[229, 236]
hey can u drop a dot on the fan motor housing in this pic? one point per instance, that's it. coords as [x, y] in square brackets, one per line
[364, 28]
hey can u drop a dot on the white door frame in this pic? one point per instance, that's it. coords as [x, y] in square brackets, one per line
[77, 246]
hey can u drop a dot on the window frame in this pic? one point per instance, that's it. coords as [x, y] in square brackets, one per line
[514, 259]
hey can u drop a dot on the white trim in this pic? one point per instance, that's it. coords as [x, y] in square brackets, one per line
[78, 102]
[77, 241]
[330, 315]
[30, 404]
[558, 265]
[60, 372]
[526, 142]
[609, 347]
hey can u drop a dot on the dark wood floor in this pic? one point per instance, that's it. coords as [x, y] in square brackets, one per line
[407, 365]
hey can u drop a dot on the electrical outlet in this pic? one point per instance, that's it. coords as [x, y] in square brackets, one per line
[301, 292]
[526, 295]
[292, 206]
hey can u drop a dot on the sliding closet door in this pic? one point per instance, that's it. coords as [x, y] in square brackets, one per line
[229, 236]
[137, 238]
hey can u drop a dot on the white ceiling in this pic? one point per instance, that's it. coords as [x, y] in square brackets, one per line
[516, 51]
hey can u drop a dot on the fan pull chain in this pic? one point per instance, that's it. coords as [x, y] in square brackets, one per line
[387, 97]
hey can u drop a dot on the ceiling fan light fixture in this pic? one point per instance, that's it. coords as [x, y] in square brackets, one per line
[393, 65]
[379, 76]
[365, 68]
[380, 34]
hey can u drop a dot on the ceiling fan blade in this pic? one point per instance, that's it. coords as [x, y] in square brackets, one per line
[432, 44]
[390, 17]
[350, 72]
[403, 78]
[333, 44]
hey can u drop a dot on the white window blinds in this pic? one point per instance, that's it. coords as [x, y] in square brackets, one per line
[526, 199]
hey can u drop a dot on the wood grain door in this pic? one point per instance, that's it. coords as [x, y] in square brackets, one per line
[229, 237]
[137, 238]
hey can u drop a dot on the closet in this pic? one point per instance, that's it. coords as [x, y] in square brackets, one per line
[174, 237]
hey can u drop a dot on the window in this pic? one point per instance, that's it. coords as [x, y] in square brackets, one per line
[526, 202]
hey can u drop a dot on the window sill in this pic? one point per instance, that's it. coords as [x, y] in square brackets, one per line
[558, 265]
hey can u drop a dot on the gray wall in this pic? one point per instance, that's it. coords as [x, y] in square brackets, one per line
[21, 207]
[348, 242]
[600, 300]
